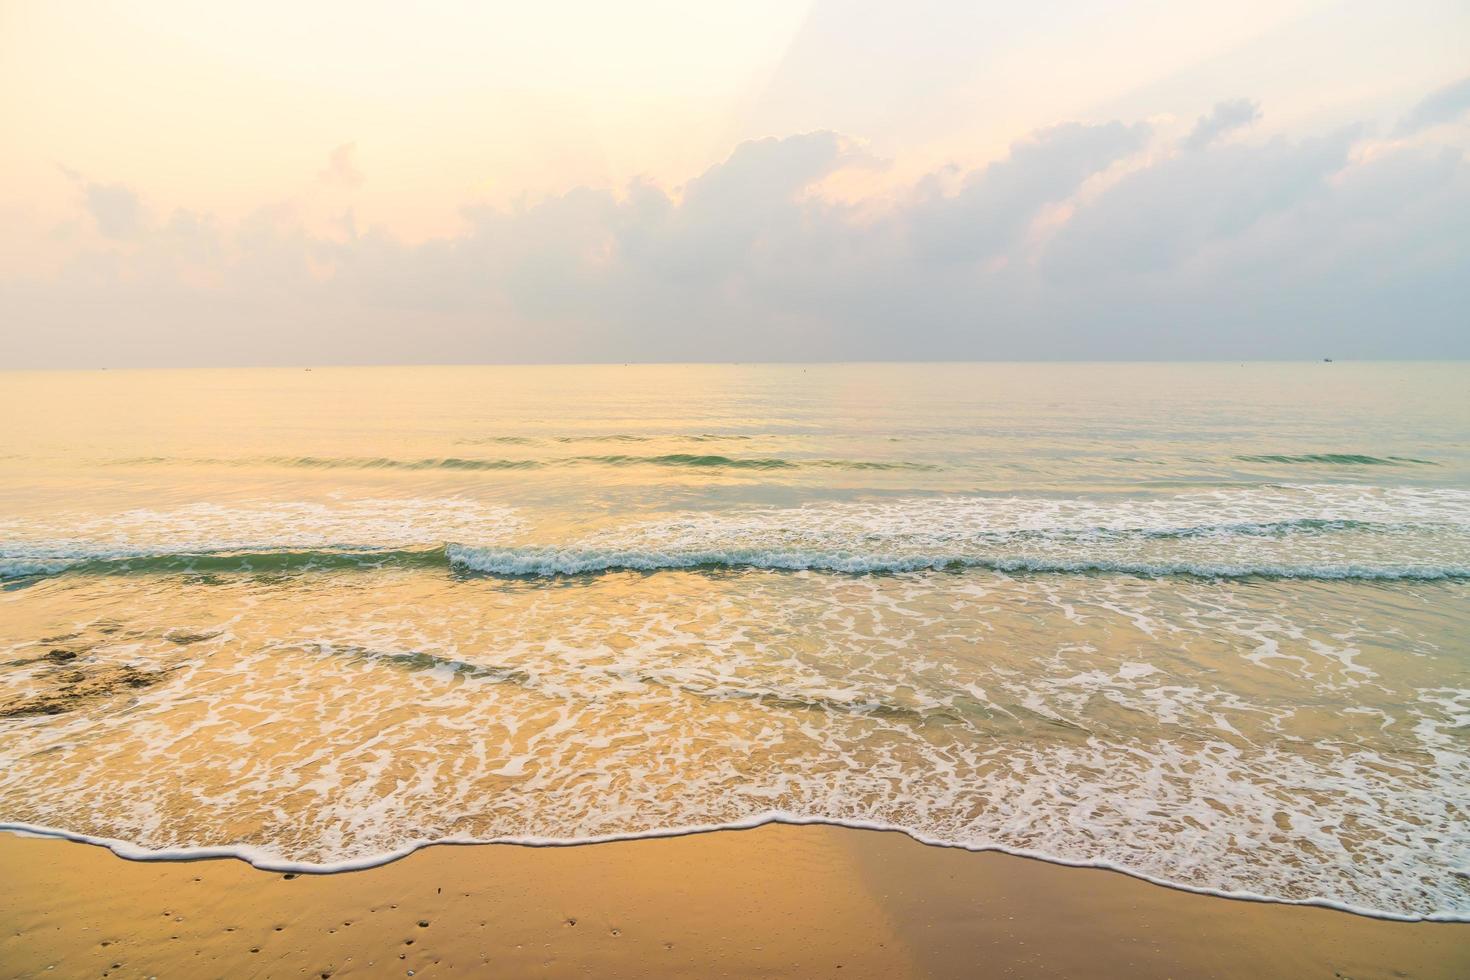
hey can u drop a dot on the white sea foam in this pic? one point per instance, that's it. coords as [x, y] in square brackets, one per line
[577, 561]
[1330, 532]
[53, 543]
[1302, 532]
[1107, 722]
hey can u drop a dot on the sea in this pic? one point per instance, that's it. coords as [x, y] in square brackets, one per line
[1205, 624]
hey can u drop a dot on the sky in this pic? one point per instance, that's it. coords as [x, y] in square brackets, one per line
[278, 183]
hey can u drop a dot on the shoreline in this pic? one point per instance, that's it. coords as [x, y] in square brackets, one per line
[775, 900]
[252, 858]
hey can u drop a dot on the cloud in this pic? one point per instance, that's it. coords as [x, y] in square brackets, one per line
[341, 167]
[1159, 217]
[1287, 247]
[994, 205]
[115, 208]
[1441, 106]
[746, 204]
[1333, 257]
[1225, 117]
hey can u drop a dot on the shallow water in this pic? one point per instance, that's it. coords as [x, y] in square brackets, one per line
[1205, 623]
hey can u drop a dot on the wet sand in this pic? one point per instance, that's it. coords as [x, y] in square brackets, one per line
[775, 901]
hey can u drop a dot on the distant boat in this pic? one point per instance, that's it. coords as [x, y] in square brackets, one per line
[1326, 360]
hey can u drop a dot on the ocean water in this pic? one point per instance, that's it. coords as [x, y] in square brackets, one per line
[1207, 624]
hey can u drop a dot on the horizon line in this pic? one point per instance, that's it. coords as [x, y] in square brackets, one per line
[329, 366]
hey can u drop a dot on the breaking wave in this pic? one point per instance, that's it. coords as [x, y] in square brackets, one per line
[546, 562]
[1337, 459]
[1281, 532]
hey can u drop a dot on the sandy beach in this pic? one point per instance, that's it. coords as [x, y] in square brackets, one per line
[775, 901]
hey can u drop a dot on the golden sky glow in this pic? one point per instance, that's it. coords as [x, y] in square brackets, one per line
[222, 107]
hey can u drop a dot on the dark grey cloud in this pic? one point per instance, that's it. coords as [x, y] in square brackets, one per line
[1225, 117]
[1441, 106]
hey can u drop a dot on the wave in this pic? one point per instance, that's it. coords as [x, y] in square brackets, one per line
[751, 463]
[1337, 459]
[554, 562]
[342, 462]
[546, 562]
[384, 463]
[610, 437]
[259, 562]
[773, 697]
[1327, 532]
[695, 460]
[701, 460]
[266, 860]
